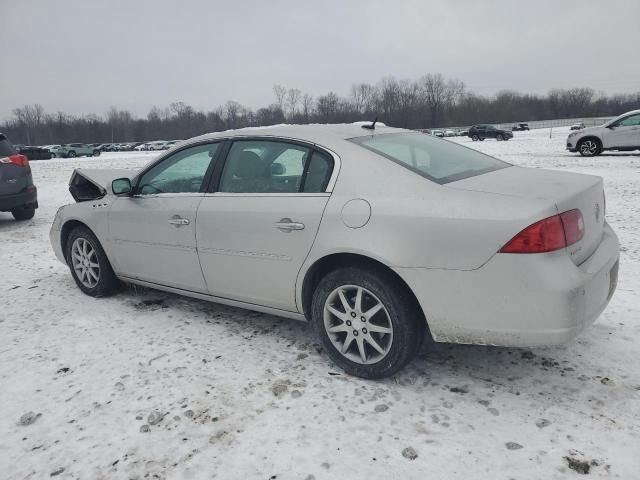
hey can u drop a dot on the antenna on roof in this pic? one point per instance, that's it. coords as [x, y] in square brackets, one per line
[372, 126]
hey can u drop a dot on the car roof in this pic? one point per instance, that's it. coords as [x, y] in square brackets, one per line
[327, 135]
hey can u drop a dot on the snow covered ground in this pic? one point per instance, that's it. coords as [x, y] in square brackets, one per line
[152, 385]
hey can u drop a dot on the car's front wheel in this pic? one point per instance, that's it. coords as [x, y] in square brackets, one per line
[369, 325]
[71, 154]
[475, 138]
[589, 147]
[499, 137]
[96, 153]
[89, 264]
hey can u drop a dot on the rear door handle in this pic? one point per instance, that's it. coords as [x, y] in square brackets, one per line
[177, 220]
[287, 225]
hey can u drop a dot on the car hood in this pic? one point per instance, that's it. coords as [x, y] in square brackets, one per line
[92, 184]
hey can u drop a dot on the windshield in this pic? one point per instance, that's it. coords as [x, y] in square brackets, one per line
[437, 159]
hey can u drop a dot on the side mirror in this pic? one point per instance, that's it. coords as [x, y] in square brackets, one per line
[611, 127]
[121, 186]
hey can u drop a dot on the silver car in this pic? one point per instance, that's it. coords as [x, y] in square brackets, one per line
[377, 236]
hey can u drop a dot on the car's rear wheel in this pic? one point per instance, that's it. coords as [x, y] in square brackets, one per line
[96, 153]
[499, 137]
[475, 138]
[24, 213]
[589, 147]
[368, 324]
[71, 154]
[89, 264]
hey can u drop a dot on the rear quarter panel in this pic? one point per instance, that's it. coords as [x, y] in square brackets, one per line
[416, 223]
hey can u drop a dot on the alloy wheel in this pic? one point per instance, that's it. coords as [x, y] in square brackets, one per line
[588, 148]
[85, 262]
[358, 324]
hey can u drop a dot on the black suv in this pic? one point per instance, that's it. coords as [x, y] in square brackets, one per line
[521, 127]
[18, 194]
[480, 132]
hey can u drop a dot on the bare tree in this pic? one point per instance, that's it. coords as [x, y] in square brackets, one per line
[307, 106]
[293, 97]
[280, 93]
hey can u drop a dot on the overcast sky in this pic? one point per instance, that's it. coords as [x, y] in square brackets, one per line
[83, 56]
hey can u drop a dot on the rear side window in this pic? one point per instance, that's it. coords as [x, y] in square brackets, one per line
[267, 166]
[438, 160]
[6, 149]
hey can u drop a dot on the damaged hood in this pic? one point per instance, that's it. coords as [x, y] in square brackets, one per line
[92, 184]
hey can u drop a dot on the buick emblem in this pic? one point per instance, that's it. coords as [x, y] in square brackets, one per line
[597, 212]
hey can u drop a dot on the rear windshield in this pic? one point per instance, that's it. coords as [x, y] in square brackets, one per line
[6, 149]
[437, 159]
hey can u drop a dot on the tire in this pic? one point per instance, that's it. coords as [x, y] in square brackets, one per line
[399, 314]
[71, 154]
[24, 213]
[589, 147]
[53, 155]
[96, 153]
[475, 138]
[499, 138]
[107, 283]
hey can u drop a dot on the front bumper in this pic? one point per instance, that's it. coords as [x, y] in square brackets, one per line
[11, 202]
[535, 300]
[571, 146]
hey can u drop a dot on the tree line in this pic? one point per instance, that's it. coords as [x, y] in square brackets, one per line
[431, 101]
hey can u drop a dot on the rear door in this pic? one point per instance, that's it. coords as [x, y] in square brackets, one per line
[255, 231]
[152, 234]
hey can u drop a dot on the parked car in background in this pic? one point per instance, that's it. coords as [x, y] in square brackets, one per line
[577, 126]
[622, 134]
[449, 133]
[18, 194]
[520, 127]
[170, 144]
[34, 153]
[480, 132]
[71, 150]
[157, 145]
[468, 248]
[142, 147]
[437, 133]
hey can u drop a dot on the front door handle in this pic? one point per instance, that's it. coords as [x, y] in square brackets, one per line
[287, 225]
[177, 220]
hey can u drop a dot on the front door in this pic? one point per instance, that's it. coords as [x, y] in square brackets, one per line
[152, 233]
[624, 133]
[255, 232]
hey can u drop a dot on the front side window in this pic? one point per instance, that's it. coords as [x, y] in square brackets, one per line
[438, 160]
[631, 121]
[265, 166]
[182, 172]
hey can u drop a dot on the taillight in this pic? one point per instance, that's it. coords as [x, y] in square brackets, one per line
[547, 235]
[16, 159]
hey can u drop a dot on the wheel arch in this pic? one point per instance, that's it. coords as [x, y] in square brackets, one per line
[590, 137]
[66, 230]
[329, 262]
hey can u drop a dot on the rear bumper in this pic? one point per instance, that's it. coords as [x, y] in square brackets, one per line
[11, 202]
[536, 300]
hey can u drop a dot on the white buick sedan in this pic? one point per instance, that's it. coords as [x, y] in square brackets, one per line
[378, 236]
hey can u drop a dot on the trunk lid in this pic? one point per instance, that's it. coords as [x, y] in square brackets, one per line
[13, 178]
[567, 191]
